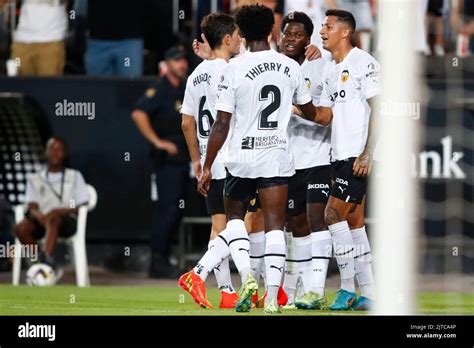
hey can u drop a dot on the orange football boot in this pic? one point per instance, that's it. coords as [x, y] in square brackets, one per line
[191, 283]
[228, 300]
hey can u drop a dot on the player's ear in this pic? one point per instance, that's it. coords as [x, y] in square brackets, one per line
[227, 39]
[269, 38]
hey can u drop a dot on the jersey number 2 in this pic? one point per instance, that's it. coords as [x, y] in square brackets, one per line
[204, 114]
[264, 123]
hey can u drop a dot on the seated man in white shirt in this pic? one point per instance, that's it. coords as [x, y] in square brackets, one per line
[54, 196]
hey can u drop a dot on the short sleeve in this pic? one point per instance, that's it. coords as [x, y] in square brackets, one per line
[81, 195]
[188, 107]
[30, 194]
[149, 102]
[370, 85]
[301, 96]
[325, 99]
[225, 89]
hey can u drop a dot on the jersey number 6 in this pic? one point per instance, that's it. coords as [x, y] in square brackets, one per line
[204, 114]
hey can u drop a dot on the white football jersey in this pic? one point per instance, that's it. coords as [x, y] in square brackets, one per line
[347, 86]
[310, 142]
[199, 101]
[258, 89]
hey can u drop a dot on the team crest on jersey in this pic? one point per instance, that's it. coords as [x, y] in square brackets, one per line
[345, 76]
[308, 83]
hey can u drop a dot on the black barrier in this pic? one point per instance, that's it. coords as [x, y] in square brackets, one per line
[105, 146]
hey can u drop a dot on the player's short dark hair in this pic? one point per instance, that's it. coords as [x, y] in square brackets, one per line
[299, 17]
[343, 16]
[59, 139]
[216, 26]
[255, 22]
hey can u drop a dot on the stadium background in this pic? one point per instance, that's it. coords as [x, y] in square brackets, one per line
[122, 217]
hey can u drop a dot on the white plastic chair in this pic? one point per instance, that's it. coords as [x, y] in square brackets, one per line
[77, 242]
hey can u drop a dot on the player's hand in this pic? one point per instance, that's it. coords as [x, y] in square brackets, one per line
[167, 146]
[202, 49]
[363, 165]
[197, 169]
[312, 52]
[205, 182]
[41, 218]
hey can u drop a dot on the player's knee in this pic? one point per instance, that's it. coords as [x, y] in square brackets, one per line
[355, 221]
[317, 224]
[21, 230]
[331, 216]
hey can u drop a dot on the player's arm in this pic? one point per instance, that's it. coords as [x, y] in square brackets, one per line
[188, 125]
[363, 163]
[143, 124]
[217, 138]
[321, 115]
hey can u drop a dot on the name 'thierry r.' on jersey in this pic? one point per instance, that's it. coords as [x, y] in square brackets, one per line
[199, 101]
[258, 89]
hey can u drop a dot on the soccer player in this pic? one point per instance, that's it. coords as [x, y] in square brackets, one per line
[350, 84]
[308, 189]
[256, 92]
[198, 117]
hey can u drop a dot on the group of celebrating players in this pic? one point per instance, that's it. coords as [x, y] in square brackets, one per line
[282, 145]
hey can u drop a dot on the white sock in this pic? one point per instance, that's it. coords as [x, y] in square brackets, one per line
[257, 252]
[302, 247]
[291, 274]
[213, 256]
[275, 253]
[222, 272]
[321, 252]
[343, 251]
[363, 262]
[239, 246]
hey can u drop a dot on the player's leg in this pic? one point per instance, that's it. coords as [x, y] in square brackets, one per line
[347, 191]
[362, 257]
[215, 207]
[296, 232]
[25, 232]
[53, 225]
[273, 196]
[255, 228]
[317, 183]
[222, 270]
[29, 232]
[299, 256]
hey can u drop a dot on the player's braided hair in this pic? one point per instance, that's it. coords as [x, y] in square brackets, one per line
[299, 17]
[255, 22]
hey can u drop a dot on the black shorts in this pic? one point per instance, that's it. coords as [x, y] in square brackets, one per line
[347, 187]
[254, 204]
[244, 189]
[436, 7]
[311, 185]
[68, 226]
[215, 198]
